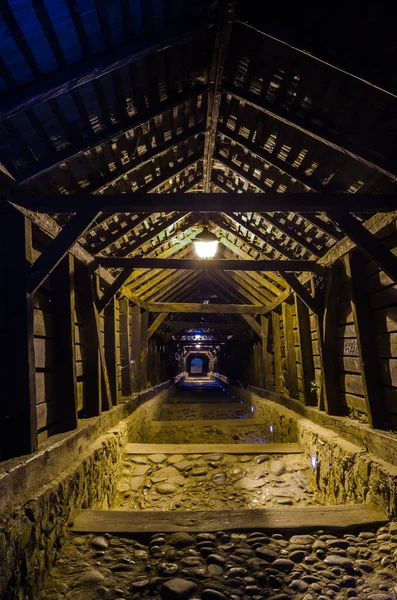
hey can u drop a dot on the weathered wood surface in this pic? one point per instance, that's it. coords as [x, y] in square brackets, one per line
[271, 519]
[196, 307]
[289, 448]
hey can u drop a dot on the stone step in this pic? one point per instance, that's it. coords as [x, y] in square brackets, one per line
[273, 519]
[210, 423]
[290, 448]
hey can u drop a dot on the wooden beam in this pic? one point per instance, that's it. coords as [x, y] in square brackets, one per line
[302, 292]
[114, 288]
[221, 45]
[306, 350]
[266, 355]
[370, 368]
[98, 65]
[214, 264]
[332, 403]
[156, 324]
[314, 131]
[59, 247]
[110, 344]
[278, 370]
[289, 340]
[143, 353]
[253, 324]
[367, 242]
[112, 132]
[272, 201]
[18, 406]
[125, 347]
[65, 356]
[195, 307]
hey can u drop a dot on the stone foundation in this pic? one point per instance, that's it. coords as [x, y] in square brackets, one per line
[346, 472]
[74, 470]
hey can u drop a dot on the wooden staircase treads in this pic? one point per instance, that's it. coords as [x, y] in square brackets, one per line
[272, 519]
[290, 448]
[210, 422]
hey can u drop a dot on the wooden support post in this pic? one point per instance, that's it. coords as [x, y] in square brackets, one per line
[136, 346]
[18, 407]
[96, 365]
[305, 345]
[332, 402]
[370, 371]
[110, 348]
[143, 354]
[292, 373]
[266, 355]
[125, 347]
[278, 371]
[65, 357]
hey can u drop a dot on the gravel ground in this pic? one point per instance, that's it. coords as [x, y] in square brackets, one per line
[228, 566]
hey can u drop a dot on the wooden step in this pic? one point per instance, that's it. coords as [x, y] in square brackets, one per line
[351, 516]
[290, 448]
[210, 423]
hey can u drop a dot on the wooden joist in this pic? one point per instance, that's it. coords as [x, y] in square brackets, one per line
[214, 264]
[196, 307]
[233, 202]
[309, 518]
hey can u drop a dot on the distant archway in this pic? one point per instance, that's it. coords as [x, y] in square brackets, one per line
[197, 364]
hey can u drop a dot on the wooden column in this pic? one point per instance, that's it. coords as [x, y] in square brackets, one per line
[306, 349]
[143, 354]
[111, 347]
[278, 371]
[125, 347]
[266, 355]
[65, 358]
[332, 402]
[18, 406]
[318, 325]
[136, 346]
[292, 373]
[370, 371]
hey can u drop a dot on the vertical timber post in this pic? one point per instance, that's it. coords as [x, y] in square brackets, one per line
[136, 346]
[19, 416]
[65, 365]
[125, 347]
[110, 347]
[266, 355]
[332, 395]
[143, 354]
[278, 371]
[305, 345]
[292, 373]
[371, 375]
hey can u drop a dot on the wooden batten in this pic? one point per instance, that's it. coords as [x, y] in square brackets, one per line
[292, 375]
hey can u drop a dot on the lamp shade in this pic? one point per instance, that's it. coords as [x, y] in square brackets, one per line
[206, 244]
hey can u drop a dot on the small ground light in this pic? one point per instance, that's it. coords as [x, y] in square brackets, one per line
[252, 409]
[313, 461]
[271, 428]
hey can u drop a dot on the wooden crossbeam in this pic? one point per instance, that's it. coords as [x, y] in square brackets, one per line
[212, 265]
[367, 242]
[302, 292]
[98, 65]
[156, 324]
[60, 246]
[250, 320]
[219, 55]
[114, 288]
[272, 201]
[314, 131]
[196, 307]
[112, 132]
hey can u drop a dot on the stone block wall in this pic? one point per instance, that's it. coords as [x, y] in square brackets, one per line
[32, 531]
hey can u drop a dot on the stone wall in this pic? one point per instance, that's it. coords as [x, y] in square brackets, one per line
[81, 468]
[346, 472]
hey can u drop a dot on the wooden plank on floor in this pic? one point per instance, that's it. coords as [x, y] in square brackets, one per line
[271, 519]
[205, 422]
[289, 448]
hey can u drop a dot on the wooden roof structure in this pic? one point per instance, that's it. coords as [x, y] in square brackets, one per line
[122, 102]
